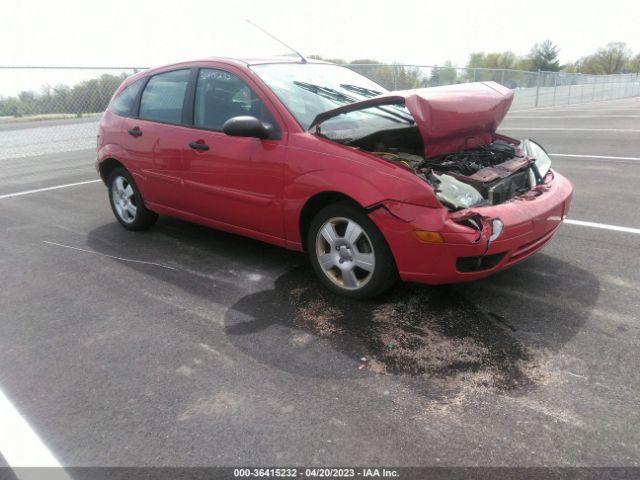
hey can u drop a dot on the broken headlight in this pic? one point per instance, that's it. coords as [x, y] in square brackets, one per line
[543, 162]
[453, 192]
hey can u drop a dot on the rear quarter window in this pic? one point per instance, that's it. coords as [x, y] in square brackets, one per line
[123, 103]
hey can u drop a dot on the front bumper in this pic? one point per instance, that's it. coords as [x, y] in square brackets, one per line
[528, 225]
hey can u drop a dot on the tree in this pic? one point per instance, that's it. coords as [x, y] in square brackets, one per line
[448, 73]
[434, 78]
[544, 56]
[492, 60]
[445, 75]
[633, 65]
[406, 77]
[392, 77]
[612, 58]
[89, 96]
[10, 107]
[339, 61]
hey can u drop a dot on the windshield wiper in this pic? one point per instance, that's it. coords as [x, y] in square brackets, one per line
[368, 93]
[364, 92]
[326, 92]
[339, 97]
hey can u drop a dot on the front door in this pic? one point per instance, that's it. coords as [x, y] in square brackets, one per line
[233, 180]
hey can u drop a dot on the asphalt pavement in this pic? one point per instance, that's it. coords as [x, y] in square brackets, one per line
[186, 346]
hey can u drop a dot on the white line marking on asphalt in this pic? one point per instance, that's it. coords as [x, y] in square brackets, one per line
[110, 256]
[57, 187]
[607, 157]
[603, 226]
[565, 129]
[20, 445]
[573, 222]
[606, 104]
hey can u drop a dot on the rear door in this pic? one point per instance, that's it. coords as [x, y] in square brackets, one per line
[154, 139]
[233, 180]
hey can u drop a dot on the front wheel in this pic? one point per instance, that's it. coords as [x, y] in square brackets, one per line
[126, 202]
[348, 252]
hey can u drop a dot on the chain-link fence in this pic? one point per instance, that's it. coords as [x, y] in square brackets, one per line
[532, 89]
[51, 109]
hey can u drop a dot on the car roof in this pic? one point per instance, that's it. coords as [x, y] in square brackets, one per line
[239, 62]
[245, 61]
[265, 60]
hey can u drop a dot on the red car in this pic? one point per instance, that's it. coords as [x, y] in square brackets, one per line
[373, 185]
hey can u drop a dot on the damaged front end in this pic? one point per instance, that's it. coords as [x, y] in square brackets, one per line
[447, 137]
[489, 175]
[491, 186]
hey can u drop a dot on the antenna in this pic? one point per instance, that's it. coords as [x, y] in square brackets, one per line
[302, 59]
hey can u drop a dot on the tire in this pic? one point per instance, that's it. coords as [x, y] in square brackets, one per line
[126, 201]
[349, 254]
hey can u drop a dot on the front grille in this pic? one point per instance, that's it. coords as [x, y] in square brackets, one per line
[509, 187]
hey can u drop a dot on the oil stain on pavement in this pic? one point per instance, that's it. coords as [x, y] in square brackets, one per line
[431, 335]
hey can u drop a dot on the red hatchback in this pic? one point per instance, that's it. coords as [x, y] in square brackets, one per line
[373, 185]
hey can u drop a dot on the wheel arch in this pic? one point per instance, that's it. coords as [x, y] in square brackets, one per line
[316, 203]
[107, 166]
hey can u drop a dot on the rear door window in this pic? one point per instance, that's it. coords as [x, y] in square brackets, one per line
[163, 97]
[221, 95]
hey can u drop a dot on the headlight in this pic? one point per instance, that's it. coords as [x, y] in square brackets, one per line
[543, 162]
[496, 229]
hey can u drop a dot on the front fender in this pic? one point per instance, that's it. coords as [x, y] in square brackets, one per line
[310, 184]
[361, 189]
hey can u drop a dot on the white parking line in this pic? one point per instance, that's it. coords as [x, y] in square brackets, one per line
[606, 157]
[57, 187]
[622, 104]
[566, 129]
[20, 445]
[603, 226]
[572, 222]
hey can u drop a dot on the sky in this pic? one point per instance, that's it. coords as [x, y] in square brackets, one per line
[144, 33]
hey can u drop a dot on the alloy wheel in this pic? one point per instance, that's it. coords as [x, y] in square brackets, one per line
[124, 200]
[345, 253]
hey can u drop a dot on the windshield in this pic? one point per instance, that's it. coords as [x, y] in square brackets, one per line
[309, 89]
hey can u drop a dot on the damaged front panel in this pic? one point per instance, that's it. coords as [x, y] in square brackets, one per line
[447, 137]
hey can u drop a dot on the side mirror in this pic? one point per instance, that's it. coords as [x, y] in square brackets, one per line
[246, 126]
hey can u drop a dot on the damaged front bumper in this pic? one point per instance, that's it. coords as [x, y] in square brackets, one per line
[466, 252]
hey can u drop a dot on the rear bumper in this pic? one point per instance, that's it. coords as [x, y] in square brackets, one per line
[529, 224]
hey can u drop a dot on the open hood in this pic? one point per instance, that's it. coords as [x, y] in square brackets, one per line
[450, 118]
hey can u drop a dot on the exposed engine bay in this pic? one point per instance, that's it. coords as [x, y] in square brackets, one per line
[446, 136]
[484, 175]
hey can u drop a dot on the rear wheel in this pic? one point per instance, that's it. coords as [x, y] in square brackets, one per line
[348, 252]
[126, 202]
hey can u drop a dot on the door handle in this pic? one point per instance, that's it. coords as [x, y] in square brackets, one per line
[199, 145]
[134, 132]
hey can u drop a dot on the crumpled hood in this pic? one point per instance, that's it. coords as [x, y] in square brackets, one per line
[449, 118]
